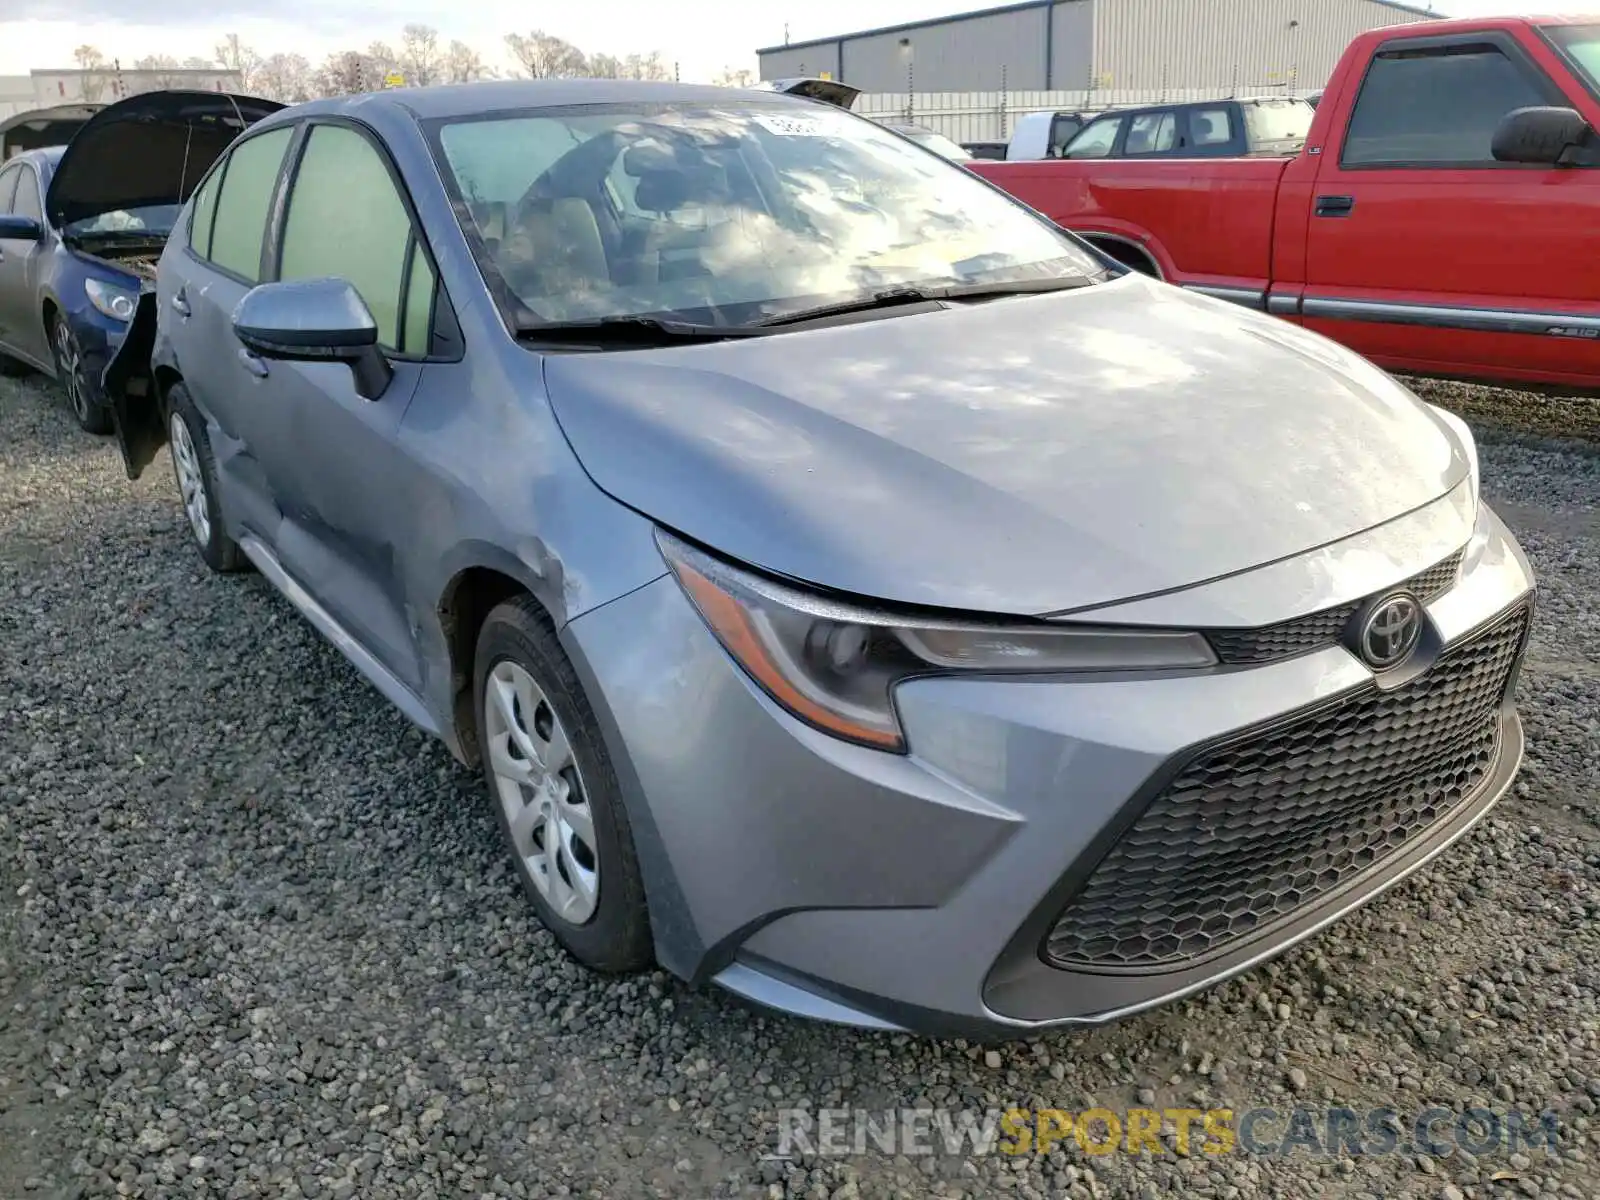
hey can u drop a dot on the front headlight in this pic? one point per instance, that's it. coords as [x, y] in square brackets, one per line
[834, 664]
[1469, 447]
[118, 303]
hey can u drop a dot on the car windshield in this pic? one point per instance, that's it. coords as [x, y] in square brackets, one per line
[726, 215]
[155, 220]
[1279, 120]
[938, 143]
[1581, 45]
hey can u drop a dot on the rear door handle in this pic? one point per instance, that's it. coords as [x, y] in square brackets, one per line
[180, 303]
[1334, 206]
[253, 364]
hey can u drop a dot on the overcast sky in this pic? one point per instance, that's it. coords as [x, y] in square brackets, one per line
[703, 36]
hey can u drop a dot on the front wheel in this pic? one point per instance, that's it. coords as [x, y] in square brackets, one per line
[92, 416]
[556, 792]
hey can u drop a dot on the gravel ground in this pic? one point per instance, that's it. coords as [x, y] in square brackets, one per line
[258, 938]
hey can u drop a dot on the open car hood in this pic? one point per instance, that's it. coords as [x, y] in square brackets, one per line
[149, 149]
[830, 91]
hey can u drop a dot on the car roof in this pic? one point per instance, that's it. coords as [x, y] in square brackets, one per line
[472, 99]
[47, 156]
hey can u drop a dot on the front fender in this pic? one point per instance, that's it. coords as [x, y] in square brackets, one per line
[129, 385]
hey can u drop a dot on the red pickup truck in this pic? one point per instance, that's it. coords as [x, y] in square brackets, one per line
[1443, 217]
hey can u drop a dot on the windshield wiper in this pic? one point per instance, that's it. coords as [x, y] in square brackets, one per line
[641, 329]
[896, 297]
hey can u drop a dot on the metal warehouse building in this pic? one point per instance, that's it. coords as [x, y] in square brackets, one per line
[1047, 45]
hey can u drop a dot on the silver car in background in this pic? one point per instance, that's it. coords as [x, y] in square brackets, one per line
[856, 591]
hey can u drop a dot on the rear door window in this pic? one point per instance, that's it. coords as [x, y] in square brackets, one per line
[1097, 139]
[202, 213]
[1151, 133]
[26, 202]
[1436, 107]
[343, 176]
[1211, 127]
[248, 181]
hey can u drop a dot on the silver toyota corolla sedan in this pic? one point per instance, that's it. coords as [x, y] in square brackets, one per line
[856, 591]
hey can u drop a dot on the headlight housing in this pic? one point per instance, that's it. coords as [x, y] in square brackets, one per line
[118, 303]
[834, 664]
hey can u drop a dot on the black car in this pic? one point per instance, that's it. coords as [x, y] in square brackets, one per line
[81, 227]
[1263, 127]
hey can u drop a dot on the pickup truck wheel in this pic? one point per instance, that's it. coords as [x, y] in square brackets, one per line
[195, 468]
[92, 416]
[556, 792]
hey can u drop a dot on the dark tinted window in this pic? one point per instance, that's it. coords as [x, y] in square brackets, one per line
[1151, 133]
[1210, 126]
[1435, 107]
[1096, 140]
[8, 185]
[26, 202]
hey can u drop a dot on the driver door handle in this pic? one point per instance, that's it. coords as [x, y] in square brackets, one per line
[180, 303]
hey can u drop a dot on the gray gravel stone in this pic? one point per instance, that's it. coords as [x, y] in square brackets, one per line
[258, 937]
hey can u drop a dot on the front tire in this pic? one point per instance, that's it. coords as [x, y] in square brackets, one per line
[556, 792]
[91, 415]
[195, 468]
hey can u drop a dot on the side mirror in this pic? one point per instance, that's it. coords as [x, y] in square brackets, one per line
[20, 229]
[1551, 137]
[315, 320]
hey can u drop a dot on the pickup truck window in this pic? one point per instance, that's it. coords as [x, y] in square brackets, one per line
[1210, 126]
[1151, 133]
[1435, 107]
[1581, 46]
[1096, 140]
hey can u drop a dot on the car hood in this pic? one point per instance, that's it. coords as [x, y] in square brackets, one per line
[1023, 456]
[149, 149]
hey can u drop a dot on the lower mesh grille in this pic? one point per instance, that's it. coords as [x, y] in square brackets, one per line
[1250, 831]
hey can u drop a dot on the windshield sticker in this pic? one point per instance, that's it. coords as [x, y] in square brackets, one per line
[792, 126]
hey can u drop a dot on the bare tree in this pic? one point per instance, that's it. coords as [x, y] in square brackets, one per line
[234, 55]
[286, 78]
[93, 84]
[342, 73]
[381, 62]
[607, 66]
[463, 64]
[646, 66]
[165, 69]
[735, 77]
[419, 55]
[545, 56]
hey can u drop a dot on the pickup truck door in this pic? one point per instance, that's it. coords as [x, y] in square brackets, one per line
[1425, 253]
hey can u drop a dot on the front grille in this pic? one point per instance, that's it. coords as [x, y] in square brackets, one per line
[1249, 831]
[1320, 629]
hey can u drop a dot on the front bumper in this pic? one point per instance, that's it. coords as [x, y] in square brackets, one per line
[919, 891]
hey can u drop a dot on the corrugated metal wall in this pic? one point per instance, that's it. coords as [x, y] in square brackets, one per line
[802, 61]
[1072, 58]
[1247, 44]
[965, 55]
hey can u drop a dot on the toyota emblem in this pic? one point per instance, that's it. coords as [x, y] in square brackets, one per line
[1390, 631]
